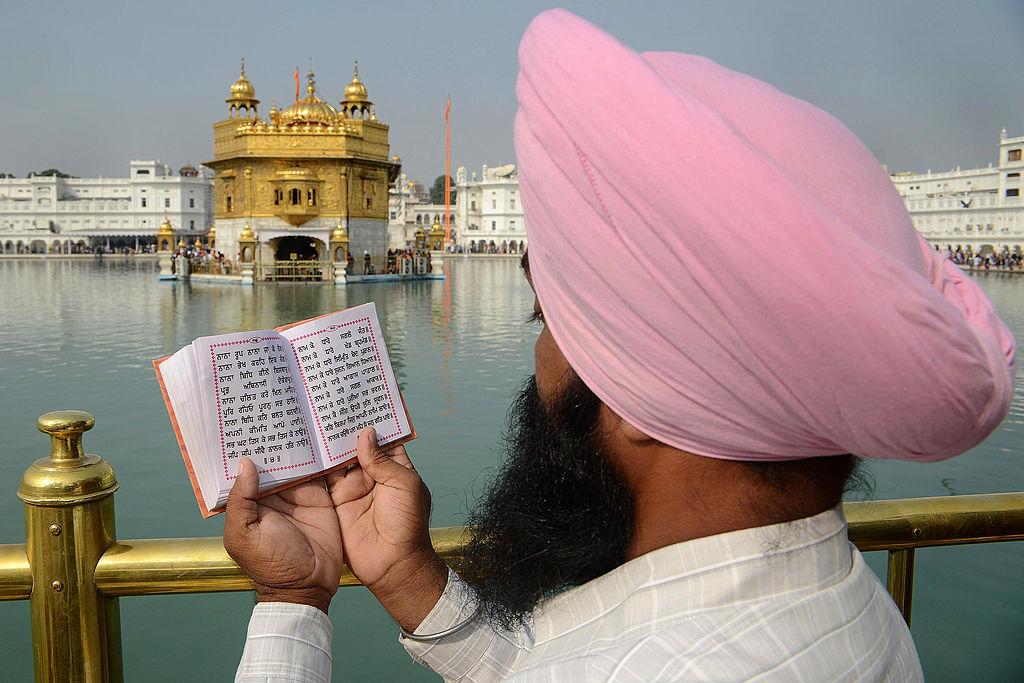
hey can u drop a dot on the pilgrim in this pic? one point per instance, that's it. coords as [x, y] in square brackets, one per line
[734, 309]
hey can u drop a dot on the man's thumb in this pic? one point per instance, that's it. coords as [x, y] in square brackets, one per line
[241, 508]
[372, 458]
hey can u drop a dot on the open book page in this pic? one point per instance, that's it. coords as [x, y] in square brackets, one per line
[348, 380]
[255, 408]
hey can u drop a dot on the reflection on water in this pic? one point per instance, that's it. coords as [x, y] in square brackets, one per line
[82, 334]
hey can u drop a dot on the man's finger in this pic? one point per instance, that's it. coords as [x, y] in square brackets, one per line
[346, 485]
[398, 454]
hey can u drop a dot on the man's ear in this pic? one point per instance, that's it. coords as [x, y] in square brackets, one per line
[616, 424]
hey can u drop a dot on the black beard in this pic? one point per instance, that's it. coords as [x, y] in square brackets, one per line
[556, 516]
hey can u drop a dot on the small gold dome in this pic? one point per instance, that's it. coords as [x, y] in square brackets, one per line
[165, 227]
[246, 233]
[356, 91]
[242, 90]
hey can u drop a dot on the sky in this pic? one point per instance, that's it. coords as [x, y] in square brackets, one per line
[87, 87]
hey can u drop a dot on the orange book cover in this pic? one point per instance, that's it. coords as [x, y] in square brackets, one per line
[207, 512]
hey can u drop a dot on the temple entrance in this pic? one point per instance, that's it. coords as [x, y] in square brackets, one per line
[296, 249]
[295, 258]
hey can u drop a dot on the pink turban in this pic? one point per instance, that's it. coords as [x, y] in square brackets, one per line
[731, 271]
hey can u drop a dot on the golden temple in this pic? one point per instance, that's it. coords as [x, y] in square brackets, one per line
[299, 175]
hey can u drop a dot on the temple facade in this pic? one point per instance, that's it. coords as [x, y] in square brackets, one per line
[292, 179]
[978, 209]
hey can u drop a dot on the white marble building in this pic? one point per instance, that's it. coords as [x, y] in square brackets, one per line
[410, 210]
[488, 211]
[49, 214]
[980, 208]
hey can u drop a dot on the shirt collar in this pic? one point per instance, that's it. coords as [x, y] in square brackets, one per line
[707, 574]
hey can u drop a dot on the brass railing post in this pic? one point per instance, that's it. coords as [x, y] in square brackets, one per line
[69, 522]
[899, 580]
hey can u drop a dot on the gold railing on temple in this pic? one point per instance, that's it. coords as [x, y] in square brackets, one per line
[73, 569]
[294, 271]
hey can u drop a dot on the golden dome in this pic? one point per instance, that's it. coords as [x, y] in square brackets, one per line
[310, 110]
[166, 229]
[242, 90]
[246, 233]
[356, 91]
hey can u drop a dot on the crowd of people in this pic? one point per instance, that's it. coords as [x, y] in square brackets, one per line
[203, 259]
[393, 261]
[1003, 261]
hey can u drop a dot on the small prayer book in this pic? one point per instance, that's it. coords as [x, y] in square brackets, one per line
[293, 400]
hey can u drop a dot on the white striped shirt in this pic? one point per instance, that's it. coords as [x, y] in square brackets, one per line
[788, 602]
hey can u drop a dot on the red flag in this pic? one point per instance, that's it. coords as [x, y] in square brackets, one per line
[296, 84]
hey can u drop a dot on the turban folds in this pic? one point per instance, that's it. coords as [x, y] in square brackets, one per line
[732, 272]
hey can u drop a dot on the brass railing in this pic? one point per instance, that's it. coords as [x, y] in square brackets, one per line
[283, 271]
[73, 570]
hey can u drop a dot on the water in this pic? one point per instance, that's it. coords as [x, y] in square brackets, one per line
[82, 334]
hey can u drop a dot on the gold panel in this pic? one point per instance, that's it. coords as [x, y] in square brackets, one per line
[356, 157]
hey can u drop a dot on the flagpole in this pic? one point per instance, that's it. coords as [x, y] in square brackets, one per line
[447, 172]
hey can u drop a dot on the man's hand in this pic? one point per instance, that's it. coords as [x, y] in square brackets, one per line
[383, 508]
[288, 542]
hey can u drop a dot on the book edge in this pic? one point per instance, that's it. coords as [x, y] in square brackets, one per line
[181, 441]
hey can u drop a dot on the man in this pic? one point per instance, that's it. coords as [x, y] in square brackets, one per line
[733, 302]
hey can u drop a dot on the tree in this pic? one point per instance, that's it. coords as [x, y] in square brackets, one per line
[437, 190]
[49, 172]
